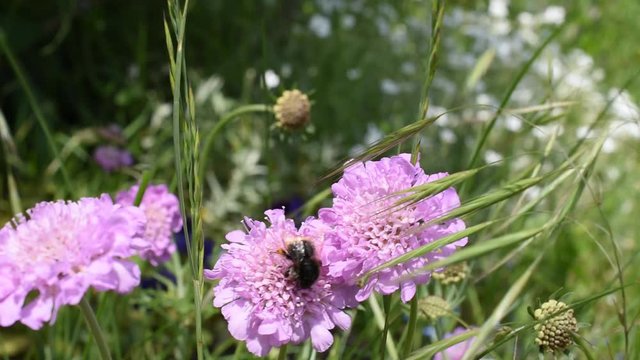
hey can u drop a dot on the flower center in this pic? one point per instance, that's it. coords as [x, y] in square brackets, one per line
[276, 290]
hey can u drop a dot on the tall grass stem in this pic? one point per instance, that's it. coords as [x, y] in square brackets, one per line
[94, 327]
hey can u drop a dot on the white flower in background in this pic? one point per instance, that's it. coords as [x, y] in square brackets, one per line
[553, 15]
[492, 156]
[513, 123]
[448, 136]
[443, 117]
[320, 25]
[389, 87]
[408, 68]
[348, 21]
[499, 8]
[271, 79]
[623, 107]
[354, 74]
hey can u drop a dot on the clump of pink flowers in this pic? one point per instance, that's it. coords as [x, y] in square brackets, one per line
[264, 304]
[367, 230]
[53, 254]
[162, 211]
[261, 299]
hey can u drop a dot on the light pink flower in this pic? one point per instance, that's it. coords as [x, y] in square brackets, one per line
[457, 351]
[60, 249]
[262, 302]
[162, 210]
[365, 233]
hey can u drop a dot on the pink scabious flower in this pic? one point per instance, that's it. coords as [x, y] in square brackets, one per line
[457, 351]
[54, 253]
[162, 210]
[263, 303]
[365, 233]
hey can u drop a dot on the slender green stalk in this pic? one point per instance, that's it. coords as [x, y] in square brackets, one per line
[36, 108]
[95, 329]
[146, 177]
[197, 285]
[208, 141]
[177, 110]
[178, 68]
[386, 303]
[584, 346]
[282, 353]
[437, 15]
[411, 328]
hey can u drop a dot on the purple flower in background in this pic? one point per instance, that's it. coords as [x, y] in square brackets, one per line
[162, 211]
[260, 296]
[365, 233]
[457, 351]
[59, 250]
[111, 158]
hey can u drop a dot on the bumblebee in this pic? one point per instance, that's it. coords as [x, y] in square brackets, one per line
[305, 268]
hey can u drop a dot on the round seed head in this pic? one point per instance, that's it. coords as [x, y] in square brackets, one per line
[452, 274]
[434, 307]
[292, 110]
[554, 334]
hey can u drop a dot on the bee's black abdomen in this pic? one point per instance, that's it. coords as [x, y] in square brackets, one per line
[305, 268]
[308, 271]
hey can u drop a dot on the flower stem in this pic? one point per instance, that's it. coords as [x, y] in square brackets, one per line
[208, 141]
[411, 327]
[282, 355]
[386, 303]
[95, 329]
[198, 302]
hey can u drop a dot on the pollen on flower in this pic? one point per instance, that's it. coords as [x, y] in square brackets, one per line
[263, 303]
[59, 250]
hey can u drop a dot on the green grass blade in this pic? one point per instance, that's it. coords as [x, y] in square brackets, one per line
[505, 100]
[35, 106]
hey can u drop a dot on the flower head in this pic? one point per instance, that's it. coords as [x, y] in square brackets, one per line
[111, 158]
[457, 351]
[60, 249]
[261, 297]
[434, 307]
[365, 233]
[163, 220]
[555, 333]
[292, 109]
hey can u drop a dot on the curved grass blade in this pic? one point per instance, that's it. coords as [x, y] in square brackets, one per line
[430, 350]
